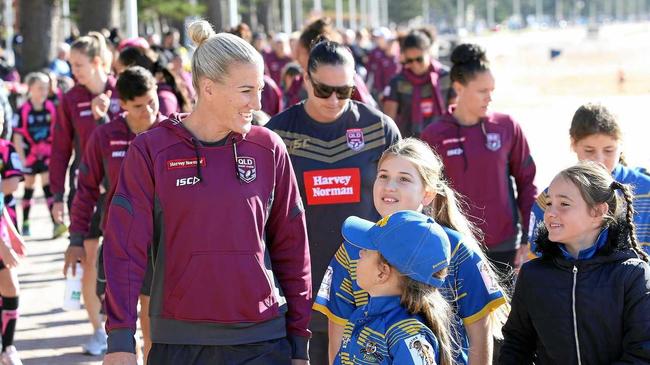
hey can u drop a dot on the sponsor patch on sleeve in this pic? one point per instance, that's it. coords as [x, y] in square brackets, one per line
[335, 186]
[491, 284]
[326, 284]
[421, 350]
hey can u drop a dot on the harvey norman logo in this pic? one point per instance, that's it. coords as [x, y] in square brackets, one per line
[182, 163]
[336, 186]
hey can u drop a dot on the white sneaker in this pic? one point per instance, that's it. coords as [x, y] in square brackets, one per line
[96, 344]
[10, 356]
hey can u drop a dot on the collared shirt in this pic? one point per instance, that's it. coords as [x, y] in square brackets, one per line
[469, 288]
[383, 332]
[588, 252]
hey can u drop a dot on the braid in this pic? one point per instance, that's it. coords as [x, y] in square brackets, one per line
[629, 218]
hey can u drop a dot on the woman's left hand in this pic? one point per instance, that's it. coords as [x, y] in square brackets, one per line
[522, 256]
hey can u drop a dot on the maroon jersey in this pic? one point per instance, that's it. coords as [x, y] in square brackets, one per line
[274, 65]
[479, 162]
[72, 130]
[100, 165]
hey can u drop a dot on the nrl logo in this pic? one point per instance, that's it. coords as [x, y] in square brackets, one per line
[246, 169]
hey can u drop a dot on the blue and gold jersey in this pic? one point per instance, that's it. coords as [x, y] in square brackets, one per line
[468, 287]
[383, 332]
[637, 178]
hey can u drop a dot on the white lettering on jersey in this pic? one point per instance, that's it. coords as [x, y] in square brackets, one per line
[187, 181]
[455, 152]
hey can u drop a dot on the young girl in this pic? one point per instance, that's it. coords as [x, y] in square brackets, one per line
[586, 300]
[409, 177]
[403, 264]
[12, 248]
[596, 136]
[33, 142]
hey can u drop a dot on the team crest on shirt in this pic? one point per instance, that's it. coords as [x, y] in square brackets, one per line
[493, 141]
[355, 139]
[246, 169]
[370, 353]
[421, 350]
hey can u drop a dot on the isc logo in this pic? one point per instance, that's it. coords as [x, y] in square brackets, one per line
[186, 181]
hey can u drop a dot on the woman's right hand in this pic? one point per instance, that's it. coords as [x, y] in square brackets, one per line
[120, 358]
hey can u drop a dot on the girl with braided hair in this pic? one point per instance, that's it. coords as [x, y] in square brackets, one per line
[586, 299]
[597, 136]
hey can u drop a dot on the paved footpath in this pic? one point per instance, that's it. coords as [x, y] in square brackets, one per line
[46, 334]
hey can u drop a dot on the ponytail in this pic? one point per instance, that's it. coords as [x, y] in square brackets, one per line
[425, 300]
[629, 218]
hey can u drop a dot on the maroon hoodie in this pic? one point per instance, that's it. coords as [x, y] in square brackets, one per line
[479, 162]
[72, 130]
[271, 97]
[100, 165]
[227, 231]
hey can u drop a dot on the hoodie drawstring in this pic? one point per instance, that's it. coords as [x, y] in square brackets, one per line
[198, 160]
[234, 153]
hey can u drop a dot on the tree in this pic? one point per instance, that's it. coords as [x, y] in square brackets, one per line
[215, 14]
[269, 15]
[94, 15]
[37, 47]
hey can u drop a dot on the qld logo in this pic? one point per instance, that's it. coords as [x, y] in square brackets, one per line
[246, 169]
[355, 139]
[493, 142]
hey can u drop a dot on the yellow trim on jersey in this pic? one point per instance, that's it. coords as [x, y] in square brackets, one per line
[460, 243]
[461, 296]
[490, 307]
[331, 316]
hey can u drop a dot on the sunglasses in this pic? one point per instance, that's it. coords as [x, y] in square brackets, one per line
[325, 91]
[411, 60]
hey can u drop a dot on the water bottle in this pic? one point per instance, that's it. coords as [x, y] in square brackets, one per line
[72, 295]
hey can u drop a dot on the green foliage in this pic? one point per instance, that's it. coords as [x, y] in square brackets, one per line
[173, 9]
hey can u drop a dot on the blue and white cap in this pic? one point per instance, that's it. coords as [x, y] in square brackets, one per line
[412, 242]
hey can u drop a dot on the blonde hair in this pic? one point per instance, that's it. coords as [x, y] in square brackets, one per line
[446, 208]
[215, 53]
[92, 45]
[426, 300]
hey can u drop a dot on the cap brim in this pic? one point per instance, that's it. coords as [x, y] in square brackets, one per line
[356, 231]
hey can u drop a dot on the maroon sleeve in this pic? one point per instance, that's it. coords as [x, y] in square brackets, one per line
[128, 235]
[61, 149]
[361, 92]
[91, 173]
[168, 102]
[289, 250]
[522, 168]
[271, 97]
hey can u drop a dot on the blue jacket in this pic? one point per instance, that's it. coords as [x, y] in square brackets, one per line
[383, 332]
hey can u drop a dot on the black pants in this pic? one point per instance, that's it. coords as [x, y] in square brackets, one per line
[274, 352]
[318, 344]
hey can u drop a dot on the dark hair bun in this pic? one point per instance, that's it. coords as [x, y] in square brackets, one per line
[467, 53]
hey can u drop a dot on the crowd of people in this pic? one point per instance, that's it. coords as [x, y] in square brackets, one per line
[379, 211]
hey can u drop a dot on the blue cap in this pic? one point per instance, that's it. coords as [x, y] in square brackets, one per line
[412, 242]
